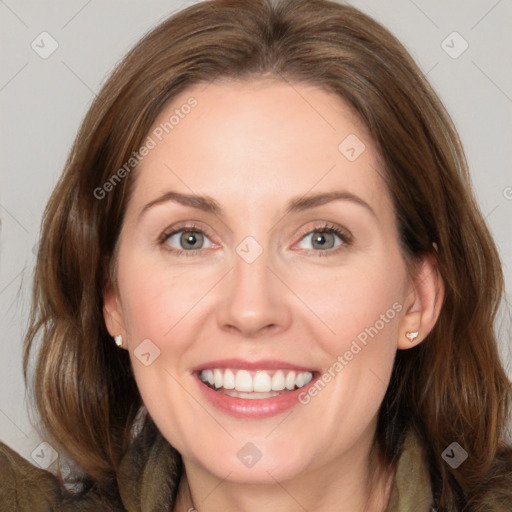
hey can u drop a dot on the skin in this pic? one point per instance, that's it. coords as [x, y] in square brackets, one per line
[253, 146]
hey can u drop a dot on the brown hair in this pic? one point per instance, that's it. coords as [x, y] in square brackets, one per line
[451, 387]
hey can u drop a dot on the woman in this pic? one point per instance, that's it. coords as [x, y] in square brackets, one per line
[264, 281]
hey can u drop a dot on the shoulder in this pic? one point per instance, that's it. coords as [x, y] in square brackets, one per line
[27, 488]
[24, 487]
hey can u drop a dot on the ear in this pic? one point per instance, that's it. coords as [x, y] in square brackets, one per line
[112, 313]
[423, 303]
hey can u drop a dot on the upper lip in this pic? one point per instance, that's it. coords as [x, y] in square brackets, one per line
[262, 364]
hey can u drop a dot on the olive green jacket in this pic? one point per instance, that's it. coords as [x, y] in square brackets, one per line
[148, 482]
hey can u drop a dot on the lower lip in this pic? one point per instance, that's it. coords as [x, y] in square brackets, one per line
[257, 408]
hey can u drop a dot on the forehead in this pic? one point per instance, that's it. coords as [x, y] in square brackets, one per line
[257, 142]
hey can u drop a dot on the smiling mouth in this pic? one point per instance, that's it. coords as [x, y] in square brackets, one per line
[254, 384]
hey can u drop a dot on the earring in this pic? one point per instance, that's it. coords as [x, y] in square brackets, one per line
[119, 340]
[411, 336]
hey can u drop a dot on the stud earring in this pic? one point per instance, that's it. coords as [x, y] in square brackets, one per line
[411, 336]
[119, 340]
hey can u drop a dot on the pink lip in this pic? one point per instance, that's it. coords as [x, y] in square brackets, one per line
[263, 364]
[258, 408]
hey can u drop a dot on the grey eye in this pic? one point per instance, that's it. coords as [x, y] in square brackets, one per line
[187, 240]
[322, 240]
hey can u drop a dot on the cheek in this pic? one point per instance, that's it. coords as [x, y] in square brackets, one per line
[156, 299]
[362, 307]
[357, 303]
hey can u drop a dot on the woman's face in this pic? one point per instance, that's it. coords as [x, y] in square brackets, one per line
[259, 277]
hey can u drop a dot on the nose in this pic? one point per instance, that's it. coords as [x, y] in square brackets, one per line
[255, 299]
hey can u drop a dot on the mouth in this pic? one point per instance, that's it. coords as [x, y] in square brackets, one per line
[256, 383]
[254, 390]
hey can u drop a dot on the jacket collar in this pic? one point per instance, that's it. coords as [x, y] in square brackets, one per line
[149, 473]
[412, 489]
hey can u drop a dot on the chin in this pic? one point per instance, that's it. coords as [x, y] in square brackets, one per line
[274, 465]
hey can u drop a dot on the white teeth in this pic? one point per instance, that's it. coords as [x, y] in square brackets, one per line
[262, 383]
[256, 382]
[301, 378]
[229, 380]
[290, 380]
[217, 378]
[243, 381]
[250, 396]
[278, 383]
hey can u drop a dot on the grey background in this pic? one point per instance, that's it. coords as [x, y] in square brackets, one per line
[43, 101]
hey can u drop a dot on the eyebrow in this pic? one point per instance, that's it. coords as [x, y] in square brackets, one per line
[209, 205]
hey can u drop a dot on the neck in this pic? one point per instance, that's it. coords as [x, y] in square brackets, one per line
[361, 484]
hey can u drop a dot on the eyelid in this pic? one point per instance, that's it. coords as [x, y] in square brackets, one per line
[183, 226]
[328, 227]
[342, 233]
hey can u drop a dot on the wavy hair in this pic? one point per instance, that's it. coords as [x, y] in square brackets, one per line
[451, 387]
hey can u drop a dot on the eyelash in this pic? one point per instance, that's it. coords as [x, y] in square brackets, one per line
[344, 236]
